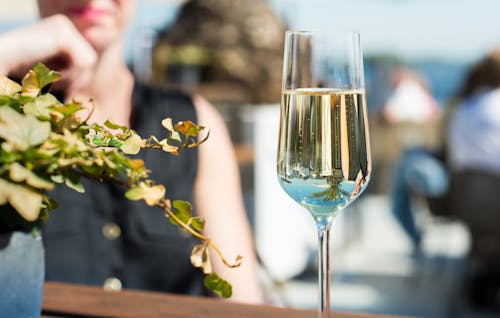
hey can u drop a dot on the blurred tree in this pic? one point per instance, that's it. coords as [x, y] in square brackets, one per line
[233, 41]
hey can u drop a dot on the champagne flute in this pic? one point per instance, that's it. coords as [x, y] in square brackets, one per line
[324, 158]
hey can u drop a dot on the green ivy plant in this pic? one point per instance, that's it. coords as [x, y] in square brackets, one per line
[45, 144]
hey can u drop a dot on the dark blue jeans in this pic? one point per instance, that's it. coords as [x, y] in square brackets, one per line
[418, 172]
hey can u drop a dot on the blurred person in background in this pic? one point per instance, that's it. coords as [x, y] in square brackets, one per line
[100, 237]
[474, 125]
[410, 100]
[418, 170]
[474, 163]
[466, 175]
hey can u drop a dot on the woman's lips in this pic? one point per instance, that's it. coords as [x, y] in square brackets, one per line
[87, 13]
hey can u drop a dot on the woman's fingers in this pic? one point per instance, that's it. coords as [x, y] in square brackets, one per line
[53, 41]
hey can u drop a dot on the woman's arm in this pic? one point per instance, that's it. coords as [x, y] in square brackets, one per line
[218, 199]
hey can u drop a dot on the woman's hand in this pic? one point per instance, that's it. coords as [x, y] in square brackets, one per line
[53, 41]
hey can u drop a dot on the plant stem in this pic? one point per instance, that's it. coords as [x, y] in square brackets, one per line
[200, 236]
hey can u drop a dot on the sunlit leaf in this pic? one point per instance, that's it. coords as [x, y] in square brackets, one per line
[31, 86]
[49, 204]
[22, 131]
[198, 223]
[112, 125]
[136, 164]
[26, 202]
[57, 178]
[4, 191]
[218, 285]
[183, 210]
[188, 128]
[132, 145]
[8, 87]
[98, 140]
[113, 142]
[72, 180]
[167, 123]
[41, 106]
[45, 76]
[67, 109]
[166, 147]
[151, 194]
[197, 254]
[19, 173]
[154, 194]
[200, 258]
[108, 161]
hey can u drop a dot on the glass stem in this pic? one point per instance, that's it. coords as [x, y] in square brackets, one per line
[324, 269]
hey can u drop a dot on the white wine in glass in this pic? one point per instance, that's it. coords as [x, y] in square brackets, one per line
[324, 160]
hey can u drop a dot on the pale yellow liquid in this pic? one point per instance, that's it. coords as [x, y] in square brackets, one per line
[324, 158]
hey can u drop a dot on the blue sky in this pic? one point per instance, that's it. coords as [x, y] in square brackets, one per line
[450, 29]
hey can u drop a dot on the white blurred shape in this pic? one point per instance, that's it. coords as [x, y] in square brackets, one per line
[285, 232]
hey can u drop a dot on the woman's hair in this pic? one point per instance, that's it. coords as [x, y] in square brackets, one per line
[483, 75]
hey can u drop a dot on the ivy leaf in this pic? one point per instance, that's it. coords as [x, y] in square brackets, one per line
[132, 145]
[18, 173]
[8, 87]
[167, 123]
[49, 204]
[113, 142]
[77, 186]
[200, 258]
[151, 194]
[183, 211]
[11, 102]
[218, 285]
[188, 128]
[166, 147]
[57, 178]
[98, 140]
[72, 180]
[37, 78]
[198, 223]
[41, 106]
[45, 76]
[26, 202]
[22, 131]
[136, 164]
[67, 109]
[112, 125]
[31, 86]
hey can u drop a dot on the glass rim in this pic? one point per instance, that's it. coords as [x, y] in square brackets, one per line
[322, 32]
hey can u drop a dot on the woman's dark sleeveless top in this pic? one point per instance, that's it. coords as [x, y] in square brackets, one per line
[99, 235]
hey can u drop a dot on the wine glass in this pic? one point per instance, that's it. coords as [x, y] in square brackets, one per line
[324, 158]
